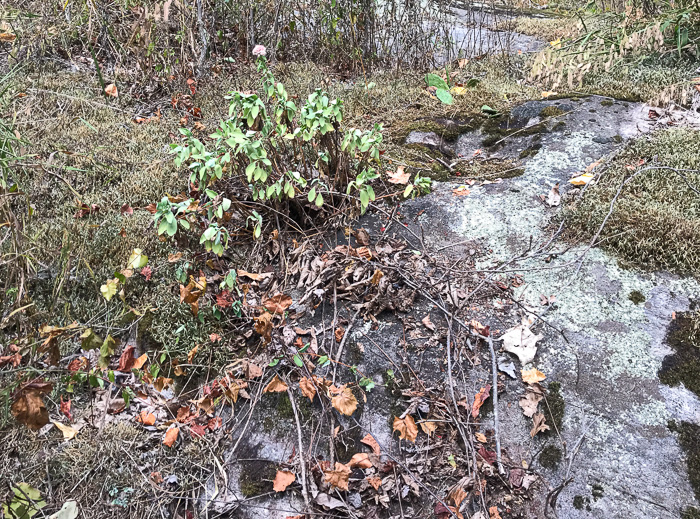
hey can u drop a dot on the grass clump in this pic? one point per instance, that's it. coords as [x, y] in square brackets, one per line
[657, 215]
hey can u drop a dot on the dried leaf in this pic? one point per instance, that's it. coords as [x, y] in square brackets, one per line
[68, 431]
[461, 191]
[339, 334]
[375, 481]
[529, 403]
[28, 407]
[127, 360]
[161, 383]
[7, 37]
[428, 323]
[520, 341]
[457, 495]
[428, 427]
[251, 370]
[582, 180]
[171, 436]
[198, 430]
[554, 198]
[283, 479]
[406, 427]
[263, 326]
[538, 424]
[192, 353]
[253, 276]
[493, 511]
[532, 376]
[65, 409]
[361, 459]
[277, 304]
[308, 388]
[372, 443]
[146, 418]
[399, 176]
[139, 362]
[339, 477]
[276, 386]
[345, 402]
[480, 437]
[111, 90]
[479, 399]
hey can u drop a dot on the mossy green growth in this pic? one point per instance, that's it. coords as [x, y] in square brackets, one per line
[607, 102]
[551, 111]
[636, 297]
[657, 214]
[689, 440]
[684, 365]
[256, 477]
[554, 407]
[690, 512]
[448, 129]
[550, 457]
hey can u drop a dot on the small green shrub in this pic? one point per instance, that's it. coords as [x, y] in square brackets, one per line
[272, 152]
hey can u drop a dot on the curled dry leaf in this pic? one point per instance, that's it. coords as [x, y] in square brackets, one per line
[339, 477]
[68, 431]
[308, 388]
[171, 436]
[111, 90]
[277, 304]
[428, 323]
[532, 376]
[479, 399]
[480, 437]
[283, 479]
[538, 424]
[529, 403]
[554, 198]
[520, 341]
[372, 443]
[345, 402]
[406, 427]
[361, 459]
[28, 407]
[276, 386]
[161, 383]
[192, 353]
[263, 326]
[339, 334]
[461, 191]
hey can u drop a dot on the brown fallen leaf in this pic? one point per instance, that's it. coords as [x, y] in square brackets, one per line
[532, 376]
[376, 277]
[205, 404]
[406, 427]
[428, 323]
[126, 361]
[554, 198]
[111, 90]
[161, 383]
[171, 436]
[345, 402]
[156, 477]
[263, 326]
[538, 424]
[480, 398]
[172, 258]
[192, 353]
[461, 191]
[493, 513]
[7, 37]
[428, 427]
[277, 304]
[339, 334]
[276, 386]
[283, 479]
[339, 477]
[372, 443]
[457, 495]
[529, 403]
[146, 418]
[253, 276]
[480, 437]
[361, 459]
[251, 370]
[399, 176]
[140, 361]
[28, 407]
[68, 431]
[308, 388]
[375, 481]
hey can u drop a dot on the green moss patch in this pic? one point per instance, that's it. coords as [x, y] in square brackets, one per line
[636, 297]
[256, 477]
[550, 457]
[554, 407]
[689, 440]
[684, 365]
[657, 215]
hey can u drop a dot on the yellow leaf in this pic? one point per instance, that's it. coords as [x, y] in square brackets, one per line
[556, 43]
[582, 180]
[68, 431]
[406, 427]
[458, 90]
[109, 289]
[546, 94]
[532, 376]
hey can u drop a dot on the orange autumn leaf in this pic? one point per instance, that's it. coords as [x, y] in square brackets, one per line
[171, 436]
[111, 90]
[276, 386]
[493, 513]
[146, 418]
[263, 325]
[361, 459]
[30, 410]
[428, 427]
[139, 362]
[126, 361]
[339, 334]
[406, 427]
[339, 477]
[192, 353]
[375, 481]
[461, 191]
[345, 402]
[283, 479]
[372, 443]
[479, 399]
[532, 376]
[308, 388]
[277, 304]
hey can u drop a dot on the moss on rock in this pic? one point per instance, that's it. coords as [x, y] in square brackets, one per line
[550, 457]
[684, 365]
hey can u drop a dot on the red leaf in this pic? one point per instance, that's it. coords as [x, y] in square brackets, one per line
[127, 360]
[198, 431]
[65, 408]
[147, 272]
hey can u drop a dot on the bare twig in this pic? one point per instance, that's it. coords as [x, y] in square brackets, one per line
[496, 425]
[304, 490]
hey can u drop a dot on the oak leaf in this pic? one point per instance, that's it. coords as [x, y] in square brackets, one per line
[339, 477]
[538, 424]
[399, 176]
[277, 304]
[406, 427]
[283, 479]
[276, 386]
[345, 402]
[428, 427]
[28, 407]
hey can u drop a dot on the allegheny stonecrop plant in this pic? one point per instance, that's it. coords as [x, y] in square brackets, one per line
[274, 152]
